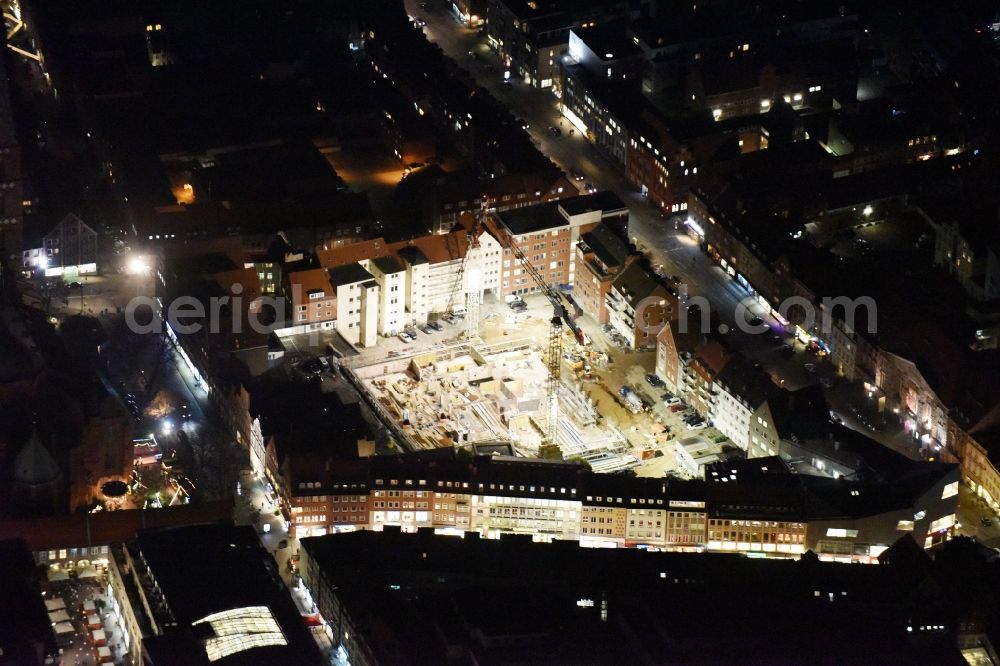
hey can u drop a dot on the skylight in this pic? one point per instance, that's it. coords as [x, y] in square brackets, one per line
[239, 629]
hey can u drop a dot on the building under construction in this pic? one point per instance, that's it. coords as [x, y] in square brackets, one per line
[469, 393]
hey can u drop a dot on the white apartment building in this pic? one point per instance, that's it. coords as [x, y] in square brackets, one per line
[421, 276]
[731, 415]
[357, 304]
[417, 277]
[390, 274]
[742, 391]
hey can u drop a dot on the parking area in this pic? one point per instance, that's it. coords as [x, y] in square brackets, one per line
[612, 416]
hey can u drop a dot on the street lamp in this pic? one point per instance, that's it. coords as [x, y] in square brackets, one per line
[137, 265]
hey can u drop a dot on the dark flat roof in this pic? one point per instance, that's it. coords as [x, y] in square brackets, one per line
[605, 201]
[547, 215]
[547, 599]
[606, 39]
[205, 569]
[607, 245]
[388, 264]
[349, 274]
[531, 219]
[412, 255]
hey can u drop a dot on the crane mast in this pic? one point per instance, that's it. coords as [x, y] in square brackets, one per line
[554, 360]
[470, 278]
[474, 284]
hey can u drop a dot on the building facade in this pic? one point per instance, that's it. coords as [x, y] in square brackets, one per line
[558, 501]
[69, 249]
[639, 306]
[548, 235]
[313, 300]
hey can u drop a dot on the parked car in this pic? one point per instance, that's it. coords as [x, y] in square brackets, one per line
[426, 329]
[654, 381]
[555, 131]
[810, 367]
[406, 337]
[985, 522]
[575, 175]
[434, 325]
[589, 188]
[518, 305]
[697, 426]
[673, 401]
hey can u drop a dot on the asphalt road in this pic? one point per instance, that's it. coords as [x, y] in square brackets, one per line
[661, 237]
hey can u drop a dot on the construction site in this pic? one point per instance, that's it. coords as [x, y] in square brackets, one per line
[476, 393]
[518, 373]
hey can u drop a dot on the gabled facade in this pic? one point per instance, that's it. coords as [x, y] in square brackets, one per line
[600, 255]
[639, 306]
[70, 249]
[672, 350]
[313, 299]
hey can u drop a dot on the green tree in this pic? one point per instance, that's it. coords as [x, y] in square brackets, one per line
[550, 452]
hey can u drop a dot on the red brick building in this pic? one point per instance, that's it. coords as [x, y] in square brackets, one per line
[600, 255]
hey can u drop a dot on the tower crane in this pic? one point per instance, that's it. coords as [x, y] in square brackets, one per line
[470, 275]
[559, 316]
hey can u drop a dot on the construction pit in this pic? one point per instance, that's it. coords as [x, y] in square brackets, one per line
[477, 393]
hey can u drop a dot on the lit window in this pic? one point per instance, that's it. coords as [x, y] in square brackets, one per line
[950, 490]
[905, 526]
[942, 524]
[841, 532]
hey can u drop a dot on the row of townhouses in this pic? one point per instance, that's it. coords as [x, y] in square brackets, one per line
[756, 507]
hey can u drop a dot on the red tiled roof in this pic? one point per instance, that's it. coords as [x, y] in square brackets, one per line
[315, 279]
[437, 248]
